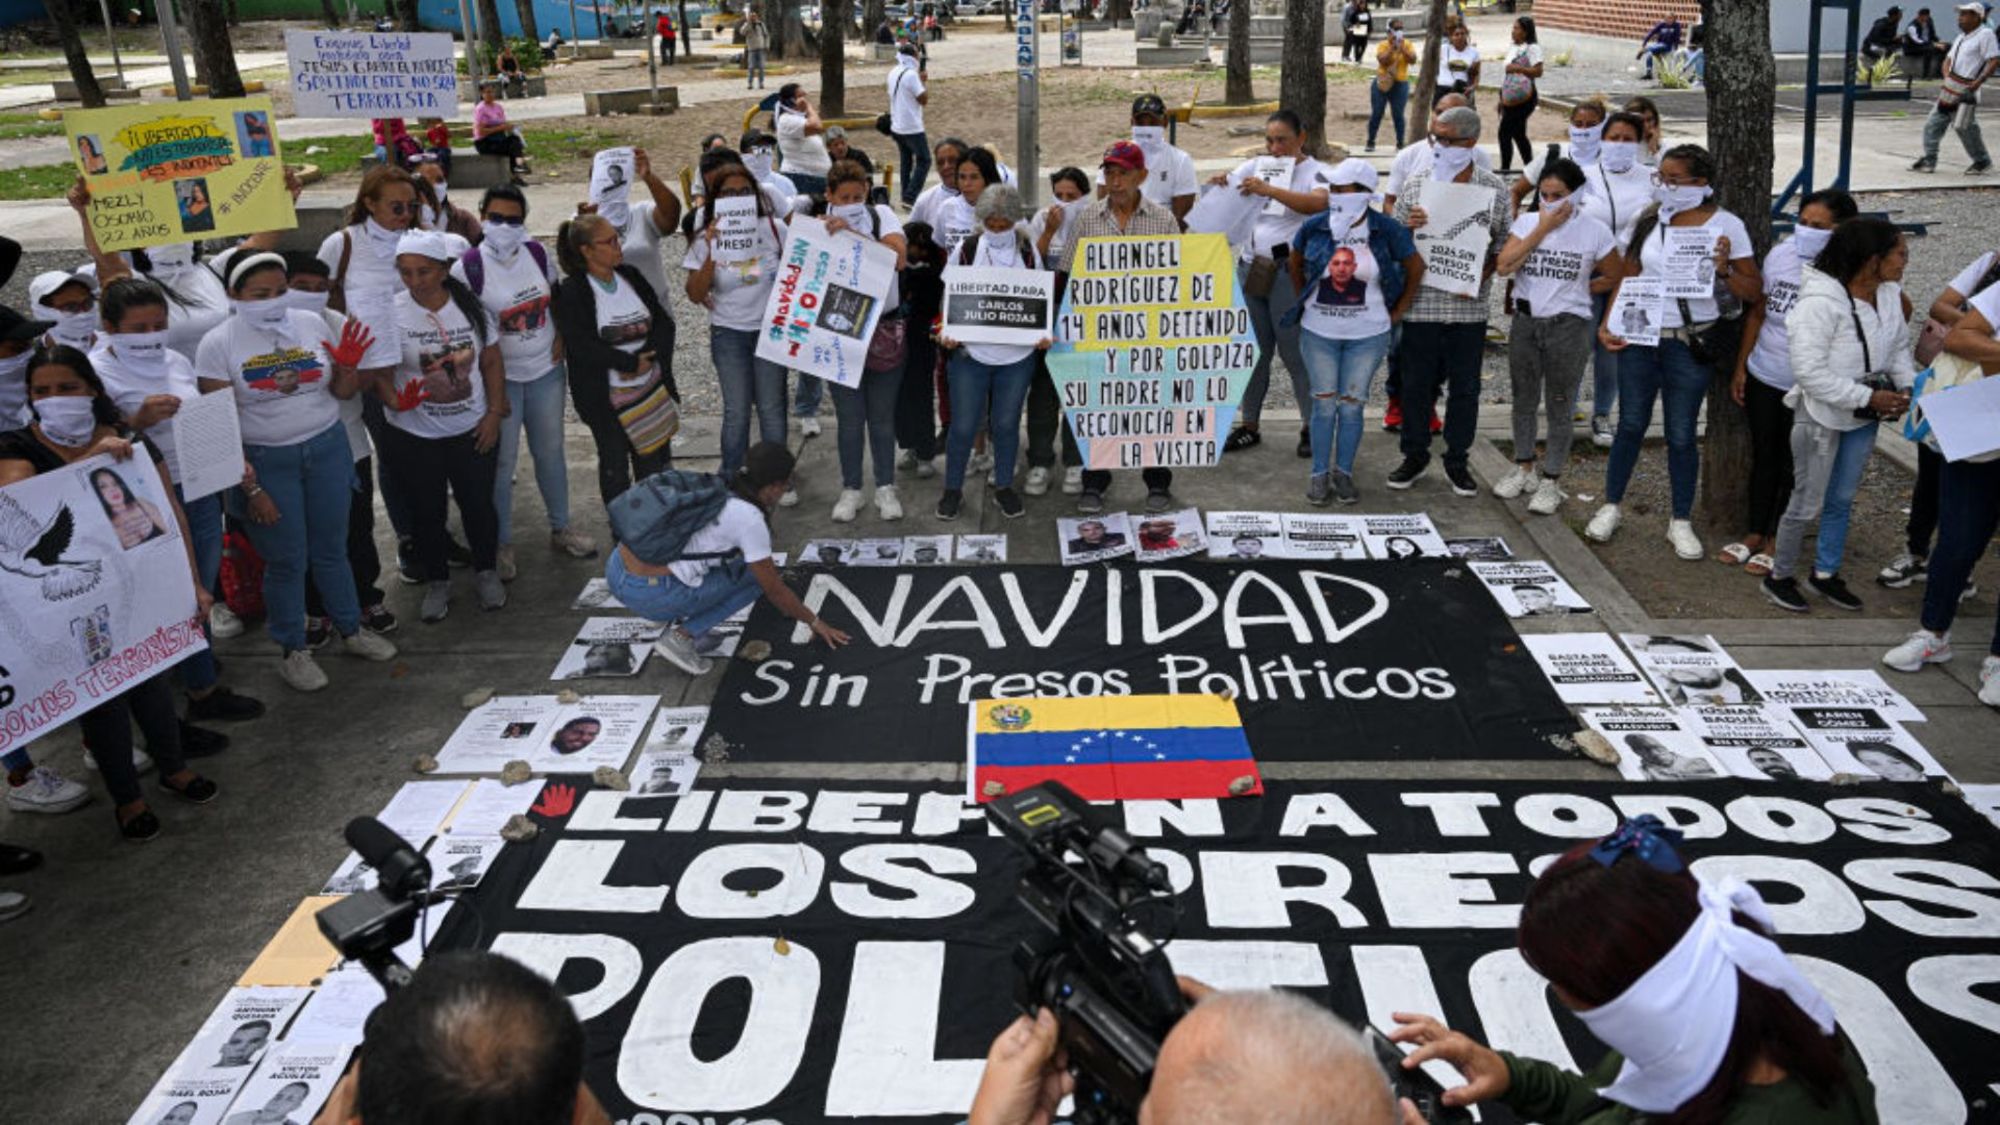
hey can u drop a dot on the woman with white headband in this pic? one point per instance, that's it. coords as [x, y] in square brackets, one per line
[1707, 1019]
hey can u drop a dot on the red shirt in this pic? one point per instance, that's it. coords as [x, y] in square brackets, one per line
[666, 27]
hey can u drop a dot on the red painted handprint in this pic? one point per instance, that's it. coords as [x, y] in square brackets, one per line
[355, 340]
[556, 802]
[410, 395]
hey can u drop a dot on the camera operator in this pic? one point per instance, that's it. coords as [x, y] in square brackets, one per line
[1246, 1058]
[1707, 1019]
[474, 1039]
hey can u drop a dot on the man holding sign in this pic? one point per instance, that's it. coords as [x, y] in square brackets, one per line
[1459, 213]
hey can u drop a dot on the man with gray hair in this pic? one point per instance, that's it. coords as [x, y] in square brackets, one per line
[1244, 1058]
[1444, 333]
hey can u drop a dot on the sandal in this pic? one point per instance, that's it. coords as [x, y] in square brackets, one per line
[1758, 566]
[199, 791]
[1736, 554]
[140, 828]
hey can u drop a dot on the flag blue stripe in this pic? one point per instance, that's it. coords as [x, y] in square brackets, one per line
[1159, 744]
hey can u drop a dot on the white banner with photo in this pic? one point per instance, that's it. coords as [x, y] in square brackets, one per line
[984, 305]
[1635, 315]
[1406, 536]
[1455, 237]
[96, 594]
[612, 171]
[826, 302]
[1529, 588]
[548, 734]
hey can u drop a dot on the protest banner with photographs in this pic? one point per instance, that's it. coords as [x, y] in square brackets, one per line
[292, 1084]
[1654, 743]
[877, 552]
[608, 646]
[830, 552]
[218, 1061]
[1456, 238]
[1485, 548]
[1689, 267]
[1529, 588]
[1309, 536]
[416, 813]
[612, 172]
[980, 549]
[926, 550]
[364, 74]
[548, 734]
[983, 305]
[1635, 315]
[1246, 536]
[596, 594]
[1169, 535]
[1758, 743]
[174, 171]
[826, 303]
[1153, 350]
[1815, 687]
[1863, 741]
[1398, 537]
[900, 919]
[95, 591]
[1089, 539]
[1589, 668]
[1690, 670]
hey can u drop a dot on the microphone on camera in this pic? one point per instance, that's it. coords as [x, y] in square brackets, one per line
[403, 873]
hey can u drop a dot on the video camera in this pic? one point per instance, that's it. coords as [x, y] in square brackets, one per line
[369, 926]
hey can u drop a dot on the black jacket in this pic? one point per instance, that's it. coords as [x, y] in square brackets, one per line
[590, 359]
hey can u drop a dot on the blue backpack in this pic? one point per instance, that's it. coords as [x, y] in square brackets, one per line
[658, 515]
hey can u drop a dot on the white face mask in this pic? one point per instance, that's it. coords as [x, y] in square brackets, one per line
[145, 353]
[270, 314]
[67, 420]
[854, 215]
[1149, 137]
[759, 163]
[307, 301]
[78, 330]
[172, 258]
[1344, 209]
[1584, 144]
[442, 189]
[12, 366]
[1449, 162]
[433, 218]
[503, 239]
[1810, 241]
[1675, 198]
[1618, 156]
[381, 238]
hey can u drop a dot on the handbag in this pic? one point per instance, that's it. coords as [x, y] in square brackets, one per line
[1516, 89]
[242, 579]
[648, 414]
[1261, 277]
[886, 347]
[1713, 342]
[1946, 372]
[882, 125]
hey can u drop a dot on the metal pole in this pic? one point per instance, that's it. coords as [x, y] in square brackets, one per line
[1028, 114]
[573, 35]
[171, 31]
[1847, 96]
[653, 52]
[471, 30]
[111, 34]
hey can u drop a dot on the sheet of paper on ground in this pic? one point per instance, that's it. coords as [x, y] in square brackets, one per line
[980, 549]
[416, 813]
[1403, 536]
[1529, 588]
[1170, 535]
[1688, 669]
[1089, 539]
[608, 646]
[551, 736]
[1589, 668]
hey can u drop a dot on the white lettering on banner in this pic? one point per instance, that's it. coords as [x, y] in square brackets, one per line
[1428, 890]
[1700, 822]
[1946, 983]
[704, 891]
[619, 960]
[1145, 820]
[739, 810]
[1887, 822]
[1397, 978]
[1244, 889]
[1780, 820]
[1819, 902]
[1455, 814]
[1250, 964]
[1308, 811]
[859, 813]
[928, 895]
[1904, 1072]
[573, 878]
[889, 1033]
[1513, 1005]
[657, 1065]
[1932, 881]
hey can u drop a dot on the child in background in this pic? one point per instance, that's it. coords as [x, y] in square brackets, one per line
[438, 136]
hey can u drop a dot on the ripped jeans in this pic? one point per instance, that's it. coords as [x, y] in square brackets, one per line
[1339, 372]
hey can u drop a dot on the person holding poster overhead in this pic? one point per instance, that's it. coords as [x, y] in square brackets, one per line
[731, 265]
[1356, 271]
[1676, 370]
[866, 415]
[76, 419]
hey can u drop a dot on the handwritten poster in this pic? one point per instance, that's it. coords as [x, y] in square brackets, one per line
[983, 305]
[175, 171]
[826, 302]
[1455, 235]
[1153, 350]
[372, 74]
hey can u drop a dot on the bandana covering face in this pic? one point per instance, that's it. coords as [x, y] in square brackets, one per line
[503, 239]
[308, 301]
[144, 352]
[1584, 144]
[1810, 241]
[1675, 198]
[1619, 156]
[78, 330]
[271, 314]
[67, 420]
[1344, 209]
[855, 215]
[1674, 1024]
[1449, 162]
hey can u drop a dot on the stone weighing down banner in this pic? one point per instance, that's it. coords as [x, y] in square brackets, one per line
[843, 953]
[372, 74]
[1153, 350]
[827, 301]
[177, 171]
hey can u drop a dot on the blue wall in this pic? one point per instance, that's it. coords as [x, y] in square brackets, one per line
[442, 15]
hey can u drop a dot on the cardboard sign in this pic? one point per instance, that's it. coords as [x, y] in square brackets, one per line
[826, 302]
[372, 74]
[174, 171]
[1456, 237]
[983, 305]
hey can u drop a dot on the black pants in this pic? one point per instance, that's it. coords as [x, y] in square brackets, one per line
[1353, 48]
[361, 556]
[1770, 457]
[1514, 131]
[1441, 358]
[434, 471]
[1045, 420]
[1924, 501]
[107, 731]
[1099, 480]
[507, 144]
[618, 464]
[916, 399]
[1969, 511]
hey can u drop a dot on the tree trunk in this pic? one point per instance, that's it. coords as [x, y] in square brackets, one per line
[208, 31]
[525, 9]
[1118, 10]
[873, 12]
[1742, 84]
[789, 37]
[684, 40]
[1302, 75]
[406, 14]
[330, 12]
[1236, 61]
[64, 17]
[832, 63]
[1425, 91]
[489, 28]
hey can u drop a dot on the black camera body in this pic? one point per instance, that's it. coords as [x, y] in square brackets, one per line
[369, 926]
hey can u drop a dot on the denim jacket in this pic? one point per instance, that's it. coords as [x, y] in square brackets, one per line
[1389, 240]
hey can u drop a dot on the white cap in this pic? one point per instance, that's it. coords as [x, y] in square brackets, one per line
[1353, 171]
[45, 284]
[1976, 9]
[426, 243]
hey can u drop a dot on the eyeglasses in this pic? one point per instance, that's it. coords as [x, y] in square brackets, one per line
[1677, 181]
[398, 207]
[83, 305]
[608, 240]
[505, 220]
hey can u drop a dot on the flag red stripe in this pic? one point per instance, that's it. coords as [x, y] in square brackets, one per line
[1137, 781]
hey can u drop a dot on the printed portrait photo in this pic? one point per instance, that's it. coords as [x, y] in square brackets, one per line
[90, 154]
[136, 519]
[197, 211]
[253, 134]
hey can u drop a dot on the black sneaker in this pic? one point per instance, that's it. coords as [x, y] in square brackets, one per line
[948, 504]
[377, 619]
[140, 828]
[1834, 590]
[200, 742]
[1090, 502]
[1979, 167]
[1784, 593]
[1924, 164]
[319, 630]
[407, 568]
[1240, 438]
[1010, 503]
[1902, 570]
[1305, 443]
[1408, 473]
[223, 706]
[456, 553]
[1461, 480]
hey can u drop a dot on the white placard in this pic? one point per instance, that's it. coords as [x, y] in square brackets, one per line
[1456, 235]
[1689, 269]
[1635, 316]
[551, 736]
[1654, 744]
[830, 552]
[608, 646]
[416, 813]
[295, 1080]
[826, 302]
[1309, 536]
[596, 594]
[1863, 741]
[1089, 539]
[1965, 419]
[1227, 212]
[878, 552]
[986, 305]
[664, 774]
[1849, 687]
[1529, 588]
[1484, 548]
[208, 445]
[1247, 536]
[611, 173]
[219, 1060]
[486, 810]
[372, 74]
[1689, 670]
[926, 550]
[1402, 537]
[1589, 668]
[979, 549]
[1757, 743]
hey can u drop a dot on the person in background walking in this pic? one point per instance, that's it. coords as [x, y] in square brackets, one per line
[756, 39]
[1851, 369]
[1922, 47]
[1518, 93]
[665, 29]
[1391, 88]
[1355, 21]
[1970, 62]
[907, 98]
[1764, 376]
[1664, 39]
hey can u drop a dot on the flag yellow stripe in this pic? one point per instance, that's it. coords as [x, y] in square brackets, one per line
[1131, 712]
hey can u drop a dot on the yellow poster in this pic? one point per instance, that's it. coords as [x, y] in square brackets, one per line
[177, 171]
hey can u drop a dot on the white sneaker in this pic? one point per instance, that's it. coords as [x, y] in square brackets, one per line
[848, 506]
[1548, 497]
[906, 459]
[809, 427]
[1519, 479]
[1686, 544]
[1604, 524]
[223, 622]
[926, 468]
[1990, 694]
[1989, 670]
[300, 670]
[13, 904]
[573, 543]
[888, 504]
[1923, 647]
[46, 791]
[368, 646]
[790, 499]
[142, 762]
[677, 648]
[1037, 483]
[982, 462]
[1072, 481]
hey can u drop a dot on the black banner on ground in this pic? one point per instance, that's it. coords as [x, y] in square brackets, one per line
[1334, 661]
[794, 955]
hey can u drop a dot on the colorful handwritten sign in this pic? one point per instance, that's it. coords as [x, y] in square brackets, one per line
[180, 170]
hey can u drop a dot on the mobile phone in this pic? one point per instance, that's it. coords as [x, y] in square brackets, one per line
[1414, 1084]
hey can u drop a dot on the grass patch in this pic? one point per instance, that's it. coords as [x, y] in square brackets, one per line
[545, 146]
[15, 126]
[39, 181]
[11, 77]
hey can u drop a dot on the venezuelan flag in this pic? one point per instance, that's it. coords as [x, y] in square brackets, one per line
[1111, 748]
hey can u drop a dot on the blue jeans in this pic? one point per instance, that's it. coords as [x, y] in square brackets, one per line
[915, 151]
[696, 609]
[745, 381]
[536, 405]
[1394, 99]
[1968, 512]
[1274, 341]
[1826, 467]
[973, 385]
[204, 516]
[1669, 373]
[1340, 372]
[807, 185]
[312, 484]
[867, 415]
[805, 402]
[1603, 363]
[753, 64]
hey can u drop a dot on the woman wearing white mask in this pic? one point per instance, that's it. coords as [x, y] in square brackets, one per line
[514, 278]
[71, 303]
[436, 211]
[1693, 337]
[197, 300]
[866, 415]
[734, 282]
[287, 377]
[1618, 188]
[1584, 148]
[1764, 374]
[1709, 1023]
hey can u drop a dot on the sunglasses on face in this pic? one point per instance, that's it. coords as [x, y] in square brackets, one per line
[398, 207]
[505, 220]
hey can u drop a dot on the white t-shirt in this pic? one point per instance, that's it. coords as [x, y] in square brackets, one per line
[1971, 50]
[1556, 277]
[886, 224]
[804, 153]
[370, 285]
[129, 390]
[641, 247]
[1418, 158]
[1988, 304]
[906, 116]
[1523, 54]
[206, 304]
[924, 210]
[1967, 280]
[740, 526]
[954, 222]
[1169, 173]
[1652, 258]
[440, 355]
[281, 385]
[1617, 199]
[1457, 65]
[517, 294]
[623, 323]
[1355, 311]
[1277, 223]
[359, 444]
[1770, 361]
[741, 287]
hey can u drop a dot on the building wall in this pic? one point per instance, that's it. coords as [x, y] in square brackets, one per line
[1625, 19]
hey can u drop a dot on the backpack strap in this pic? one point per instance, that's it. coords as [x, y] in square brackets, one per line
[541, 255]
[338, 302]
